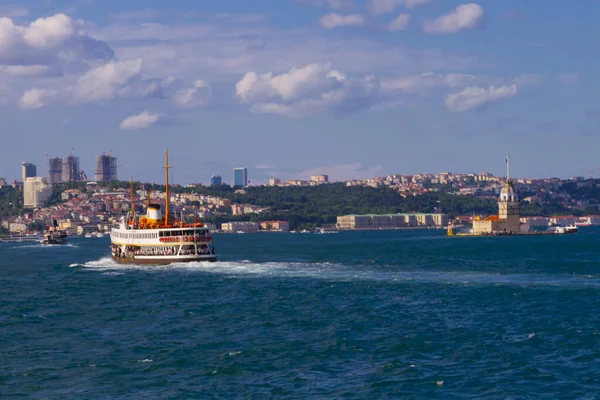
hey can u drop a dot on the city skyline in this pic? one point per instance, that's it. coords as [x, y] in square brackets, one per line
[351, 89]
[70, 165]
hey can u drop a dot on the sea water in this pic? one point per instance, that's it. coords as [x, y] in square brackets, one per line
[402, 314]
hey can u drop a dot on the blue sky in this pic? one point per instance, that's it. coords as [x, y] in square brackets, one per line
[290, 88]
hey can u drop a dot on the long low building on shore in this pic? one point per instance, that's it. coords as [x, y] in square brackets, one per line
[391, 221]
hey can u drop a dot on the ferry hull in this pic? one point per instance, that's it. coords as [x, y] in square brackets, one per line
[162, 260]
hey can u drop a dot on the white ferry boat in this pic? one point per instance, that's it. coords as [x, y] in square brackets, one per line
[21, 237]
[154, 239]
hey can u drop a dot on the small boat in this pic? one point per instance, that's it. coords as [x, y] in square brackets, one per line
[561, 230]
[323, 231]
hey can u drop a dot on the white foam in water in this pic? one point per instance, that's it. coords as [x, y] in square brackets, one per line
[340, 272]
[46, 246]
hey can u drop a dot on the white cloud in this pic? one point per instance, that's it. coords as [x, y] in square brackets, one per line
[400, 23]
[49, 32]
[35, 98]
[318, 88]
[56, 40]
[298, 82]
[307, 90]
[143, 120]
[388, 6]
[156, 88]
[476, 97]
[466, 16]
[197, 96]
[423, 83]
[216, 51]
[107, 81]
[331, 21]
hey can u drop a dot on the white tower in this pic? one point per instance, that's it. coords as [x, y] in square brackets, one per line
[508, 204]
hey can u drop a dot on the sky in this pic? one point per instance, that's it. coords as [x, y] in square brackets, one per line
[291, 88]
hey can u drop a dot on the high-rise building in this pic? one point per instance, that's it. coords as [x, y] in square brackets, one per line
[35, 192]
[240, 177]
[70, 169]
[55, 170]
[216, 180]
[28, 170]
[106, 168]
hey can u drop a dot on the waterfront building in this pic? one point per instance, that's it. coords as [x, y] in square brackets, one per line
[106, 168]
[392, 221]
[28, 170]
[281, 226]
[240, 177]
[216, 180]
[239, 226]
[35, 192]
[564, 220]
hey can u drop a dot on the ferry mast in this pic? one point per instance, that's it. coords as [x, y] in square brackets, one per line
[167, 166]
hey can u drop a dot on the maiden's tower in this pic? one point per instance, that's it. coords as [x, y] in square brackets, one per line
[508, 220]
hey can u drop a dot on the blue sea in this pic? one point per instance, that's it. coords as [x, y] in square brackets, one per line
[354, 315]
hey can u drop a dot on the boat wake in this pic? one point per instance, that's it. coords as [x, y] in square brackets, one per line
[342, 273]
[33, 245]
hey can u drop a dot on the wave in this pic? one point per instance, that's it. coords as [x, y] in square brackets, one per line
[340, 272]
[16, 245]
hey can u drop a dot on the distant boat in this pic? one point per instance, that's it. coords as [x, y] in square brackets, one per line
[561, 230]
[21, 237]
[53, 235]
[322, 231]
